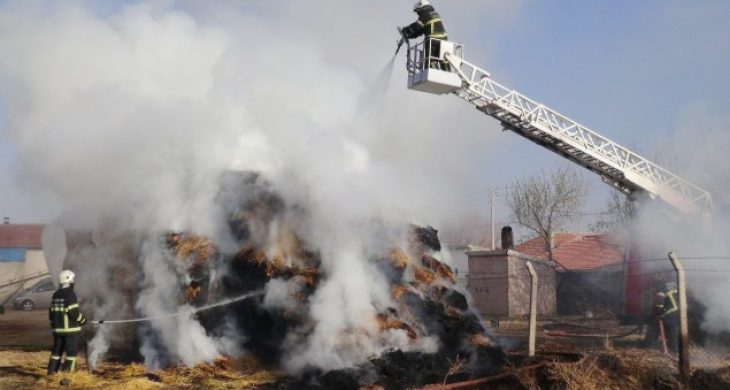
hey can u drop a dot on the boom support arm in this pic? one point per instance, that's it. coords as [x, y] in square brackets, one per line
[623, 169]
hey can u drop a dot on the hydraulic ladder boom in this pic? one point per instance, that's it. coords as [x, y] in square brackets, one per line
[623, 169]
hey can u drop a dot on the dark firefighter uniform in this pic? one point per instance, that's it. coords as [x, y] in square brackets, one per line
[668, 311]
[429, 24]
[66, 321]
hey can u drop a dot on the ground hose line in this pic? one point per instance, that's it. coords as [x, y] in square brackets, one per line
[183, 312]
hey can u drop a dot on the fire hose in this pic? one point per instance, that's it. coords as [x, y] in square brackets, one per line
[403, 39]
[182, 312]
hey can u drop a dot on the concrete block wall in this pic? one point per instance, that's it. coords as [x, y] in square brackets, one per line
[499, 284]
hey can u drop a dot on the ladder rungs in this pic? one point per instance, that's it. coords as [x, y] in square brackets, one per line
[522, 117]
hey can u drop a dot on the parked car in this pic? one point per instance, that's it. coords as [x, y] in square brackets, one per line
[36, 297]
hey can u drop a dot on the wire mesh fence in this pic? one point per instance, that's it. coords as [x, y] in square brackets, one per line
[586, 311]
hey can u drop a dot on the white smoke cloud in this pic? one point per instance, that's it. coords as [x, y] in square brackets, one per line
[131, 115]
[184, 338]
[696, 150]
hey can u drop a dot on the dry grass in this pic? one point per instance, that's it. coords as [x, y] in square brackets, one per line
[610, 370]
[526, 377]
[584, 375]
[614, 367]
[27, 370]
[136, 384]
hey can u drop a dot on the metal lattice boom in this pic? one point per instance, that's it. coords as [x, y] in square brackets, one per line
[617, 165]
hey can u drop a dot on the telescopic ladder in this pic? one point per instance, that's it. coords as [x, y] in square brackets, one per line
[618, 166]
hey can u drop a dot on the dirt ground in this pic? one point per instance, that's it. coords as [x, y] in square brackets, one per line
[562, 362]
[25, 330]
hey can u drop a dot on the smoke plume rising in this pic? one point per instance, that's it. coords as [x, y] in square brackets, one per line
[129, 116]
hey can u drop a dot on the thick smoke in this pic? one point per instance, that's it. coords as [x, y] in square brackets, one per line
[696, 151]
[129, 116]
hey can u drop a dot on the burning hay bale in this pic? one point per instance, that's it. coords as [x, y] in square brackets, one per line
[426, 306]
[410, 335]
[386, 321]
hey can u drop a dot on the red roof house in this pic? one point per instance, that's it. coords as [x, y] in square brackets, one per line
[585, 276]
[21, 257]
[577, 251]
[591, 264]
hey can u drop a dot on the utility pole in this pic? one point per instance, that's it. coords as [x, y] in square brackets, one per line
[533, 309]
[492, 216]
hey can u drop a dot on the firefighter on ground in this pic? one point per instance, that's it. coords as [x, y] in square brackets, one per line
[429, 24]
[667, 309]
[66, 321]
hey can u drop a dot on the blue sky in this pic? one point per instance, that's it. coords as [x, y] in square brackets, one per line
[629, 70]
[620, 67]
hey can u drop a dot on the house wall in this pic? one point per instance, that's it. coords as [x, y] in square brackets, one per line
[500, 283]
[581, 292]
[487, 288]
[520, 285]
[35, 263]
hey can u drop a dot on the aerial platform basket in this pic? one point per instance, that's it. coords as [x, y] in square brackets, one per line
[428, 69]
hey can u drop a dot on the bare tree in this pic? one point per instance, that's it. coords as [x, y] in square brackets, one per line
[619, 213]
[547, 202]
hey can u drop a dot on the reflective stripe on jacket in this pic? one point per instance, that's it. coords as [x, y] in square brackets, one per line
[64, 312]
[667, 302]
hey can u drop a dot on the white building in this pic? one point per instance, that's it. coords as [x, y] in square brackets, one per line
[21, 257]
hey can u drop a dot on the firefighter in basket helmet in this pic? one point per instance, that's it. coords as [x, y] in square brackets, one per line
[66, 321]
[429, 25]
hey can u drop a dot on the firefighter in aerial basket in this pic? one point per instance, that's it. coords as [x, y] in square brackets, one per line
[668, 312]
[429, 25]
[66, 321]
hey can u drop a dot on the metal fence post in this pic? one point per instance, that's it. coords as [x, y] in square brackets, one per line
[683, 328]
[533, 309]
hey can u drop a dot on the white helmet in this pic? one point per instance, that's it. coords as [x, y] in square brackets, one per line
[420, 4]
[66, 277]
